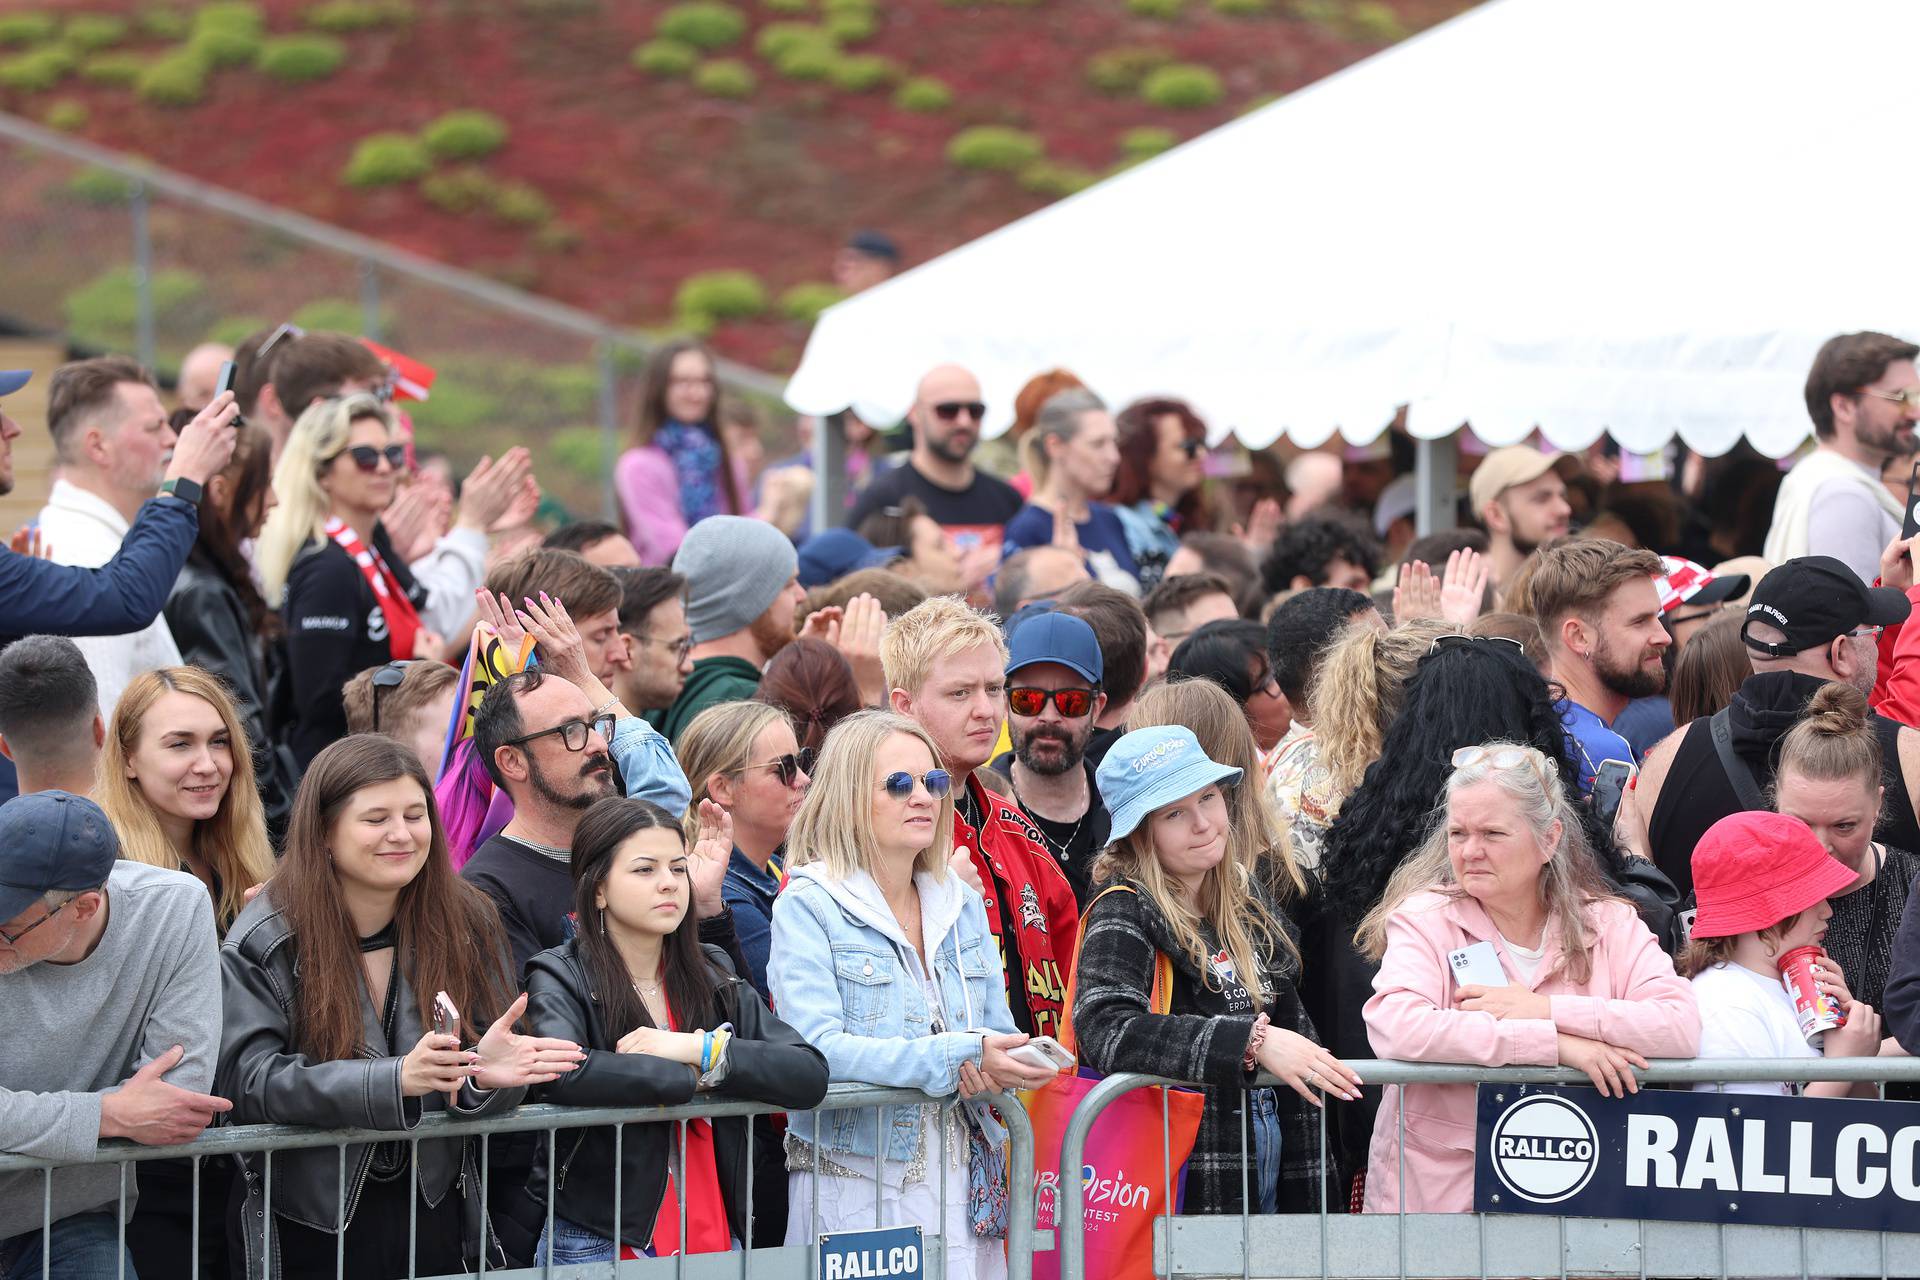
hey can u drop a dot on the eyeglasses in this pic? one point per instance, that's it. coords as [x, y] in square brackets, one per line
[1269, 684]
[1908, 398]
[900, 785]
[367, 458]
[789, 767]
[13, 939]
[1025, 700]
[1874, 632]
[950, 410]
[275, 338]
[1193, 448]
[1501, 758]
[678, 648]
[573, 733]
[391, 676]
[1453, 638]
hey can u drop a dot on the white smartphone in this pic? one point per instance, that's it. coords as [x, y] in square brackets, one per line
[446, 1018]
[1044, 1052]
[1477, 965]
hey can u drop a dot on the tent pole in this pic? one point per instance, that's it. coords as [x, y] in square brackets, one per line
[1436, 484]
[829, 507]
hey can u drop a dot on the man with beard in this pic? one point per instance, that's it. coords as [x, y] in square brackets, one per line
[1520, 495]
[1863, 395]
[972, 506]
[1054, 700]
[743, 587]
[1810, 622]
[1597, 603]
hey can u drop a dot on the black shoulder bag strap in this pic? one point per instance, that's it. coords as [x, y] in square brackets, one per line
[1745, 787]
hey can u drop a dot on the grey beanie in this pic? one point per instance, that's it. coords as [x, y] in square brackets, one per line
[735, 567]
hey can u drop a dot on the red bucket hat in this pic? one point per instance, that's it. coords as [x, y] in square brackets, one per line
[1753, 870]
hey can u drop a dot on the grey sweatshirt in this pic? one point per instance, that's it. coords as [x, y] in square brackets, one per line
[76, 1031]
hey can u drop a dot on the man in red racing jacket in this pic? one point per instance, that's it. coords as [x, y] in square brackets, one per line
[945, 665]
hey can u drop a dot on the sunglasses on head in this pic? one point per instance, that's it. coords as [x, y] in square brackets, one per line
[1453, 639]
[789, 767]
[950, 410]
[1024, 700]
[367, 457]
[899, 785]
[391, 676]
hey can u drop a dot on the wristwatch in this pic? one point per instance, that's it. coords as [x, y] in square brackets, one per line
[188, 491]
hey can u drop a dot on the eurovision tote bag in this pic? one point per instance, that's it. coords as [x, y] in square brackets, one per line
[1125, 1186]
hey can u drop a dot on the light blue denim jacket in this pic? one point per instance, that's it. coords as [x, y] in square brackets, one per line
[648, 765]
[845, 977]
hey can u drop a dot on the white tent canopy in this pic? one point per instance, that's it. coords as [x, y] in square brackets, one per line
[1635, 216]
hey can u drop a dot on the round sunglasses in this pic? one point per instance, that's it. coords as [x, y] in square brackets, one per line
[899, 784]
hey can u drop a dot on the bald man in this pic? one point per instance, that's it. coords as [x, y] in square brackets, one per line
[968, 503]
[200, 373]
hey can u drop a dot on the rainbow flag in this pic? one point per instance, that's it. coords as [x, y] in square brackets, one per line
[464, 791]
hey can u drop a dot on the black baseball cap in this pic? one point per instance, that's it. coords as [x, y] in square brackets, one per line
[1813, 599]
[52, 842]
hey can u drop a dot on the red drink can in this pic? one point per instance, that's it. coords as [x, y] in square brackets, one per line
[1818, 1012]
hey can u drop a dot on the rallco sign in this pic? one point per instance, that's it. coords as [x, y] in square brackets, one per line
[1699, 1157]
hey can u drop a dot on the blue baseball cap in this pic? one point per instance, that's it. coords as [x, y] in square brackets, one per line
[1149, 769]
[11, 380]
[1055, 637]
[52, 842]
[834, 553]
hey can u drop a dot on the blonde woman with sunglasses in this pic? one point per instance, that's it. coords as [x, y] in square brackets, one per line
[744, 757]
[1500, 944]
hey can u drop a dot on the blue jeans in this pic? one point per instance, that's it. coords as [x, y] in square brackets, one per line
[84, 1247]
[570, 1244]
[1263, 1133]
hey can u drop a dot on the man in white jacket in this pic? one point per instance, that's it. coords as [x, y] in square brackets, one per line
[1863, 395]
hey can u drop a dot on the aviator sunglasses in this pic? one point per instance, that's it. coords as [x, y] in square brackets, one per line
[899, 785]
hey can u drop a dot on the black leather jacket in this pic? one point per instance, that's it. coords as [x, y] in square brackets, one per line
[210, 625]
[767, 1062]
[270, 1082]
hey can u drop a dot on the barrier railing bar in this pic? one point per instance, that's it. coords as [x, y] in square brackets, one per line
[486, 1184]
[619, 1219]
[151, 179]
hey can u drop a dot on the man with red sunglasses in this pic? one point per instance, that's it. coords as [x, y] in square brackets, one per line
[1054, 701]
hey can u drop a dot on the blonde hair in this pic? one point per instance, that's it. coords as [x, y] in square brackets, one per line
[834, 826]
[1833, 740]
[1259, 839]
[1057, 419]
[1357, 692]
[233, 842]
[1225, 901]
[317, 439]
[1569, 882]
[720, 740]
[938, 627]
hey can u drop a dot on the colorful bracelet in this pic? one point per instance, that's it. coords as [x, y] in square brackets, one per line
[1254, 1041]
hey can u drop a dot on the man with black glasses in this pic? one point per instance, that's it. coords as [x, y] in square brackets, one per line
[1054, 699]
[653, 617]
[968, 503]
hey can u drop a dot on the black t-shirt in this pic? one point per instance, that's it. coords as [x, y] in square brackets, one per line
[1074, 844]
[974, 515]
[533, 891]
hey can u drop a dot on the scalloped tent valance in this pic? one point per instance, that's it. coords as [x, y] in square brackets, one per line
[1635, 216]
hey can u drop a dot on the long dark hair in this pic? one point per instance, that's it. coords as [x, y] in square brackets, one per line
[655, 379]
[1229, 652]
[250, 472]
[690, 983]
[447, 932]
[1139, 425]
[1465, 693]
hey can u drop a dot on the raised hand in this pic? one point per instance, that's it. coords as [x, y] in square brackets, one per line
[861, 627]
[498, 612]
[1896, 563]
[508, 1060]
[712, 850]
[26, 541]
[205, 445]
[1463, 588]
[1262, 527]
[1416, 594]
[562, 651]
[493, 487]
[1065, 536]
[823, 624]
[154, 1113]
[415, 519]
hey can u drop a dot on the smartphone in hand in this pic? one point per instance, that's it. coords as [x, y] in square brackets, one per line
[446, 1018]
[1044, 1052]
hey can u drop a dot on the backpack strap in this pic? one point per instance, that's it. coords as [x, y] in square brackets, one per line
[1159, 998]
[1745, 787]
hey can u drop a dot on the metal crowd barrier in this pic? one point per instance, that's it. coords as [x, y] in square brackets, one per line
[747, 1263]
[1491, 1246]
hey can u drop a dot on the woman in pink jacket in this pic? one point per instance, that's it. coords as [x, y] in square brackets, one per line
[1587, 985]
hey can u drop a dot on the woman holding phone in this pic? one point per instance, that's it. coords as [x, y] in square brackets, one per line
[401, 966]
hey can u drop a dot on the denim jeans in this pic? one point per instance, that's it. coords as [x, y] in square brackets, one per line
[1263, 1135]
[85, 1247]
[570, 1244]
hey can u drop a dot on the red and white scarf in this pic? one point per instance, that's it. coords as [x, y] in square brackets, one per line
[403, 620]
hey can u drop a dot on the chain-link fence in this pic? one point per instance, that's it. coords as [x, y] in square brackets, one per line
[113, 255]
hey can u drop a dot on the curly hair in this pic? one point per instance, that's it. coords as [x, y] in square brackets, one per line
[1464, 694]
[1306, 547]
[1358, 692]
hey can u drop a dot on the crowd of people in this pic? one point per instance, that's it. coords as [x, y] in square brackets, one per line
[1213, 774]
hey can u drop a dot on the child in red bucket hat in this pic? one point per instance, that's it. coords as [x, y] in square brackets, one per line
[1761, 882]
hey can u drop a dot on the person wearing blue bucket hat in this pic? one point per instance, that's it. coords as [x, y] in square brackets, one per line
[1223, 1005]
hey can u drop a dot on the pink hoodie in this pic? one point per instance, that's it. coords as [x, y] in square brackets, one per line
[1634, 1000]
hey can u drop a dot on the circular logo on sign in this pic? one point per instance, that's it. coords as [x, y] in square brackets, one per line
[1544, 1148]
